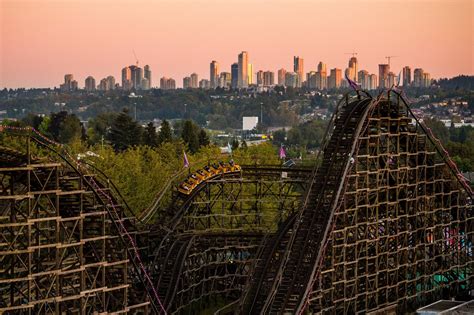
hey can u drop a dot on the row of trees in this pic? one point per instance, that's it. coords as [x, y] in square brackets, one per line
[118, 129]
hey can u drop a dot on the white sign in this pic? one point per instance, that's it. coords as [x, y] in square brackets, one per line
[249, 123]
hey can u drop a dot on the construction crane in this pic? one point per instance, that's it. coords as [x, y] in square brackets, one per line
[135, 57]
[388, 58]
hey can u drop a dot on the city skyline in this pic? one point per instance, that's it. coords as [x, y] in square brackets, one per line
[98, 43]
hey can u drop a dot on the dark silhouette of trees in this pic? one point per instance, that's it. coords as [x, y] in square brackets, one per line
[64, 127]
[165, 134]
[150, 137]
[125, 132]
[190, 135]
[203, 138]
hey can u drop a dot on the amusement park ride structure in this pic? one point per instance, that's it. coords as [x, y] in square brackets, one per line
[383, 222]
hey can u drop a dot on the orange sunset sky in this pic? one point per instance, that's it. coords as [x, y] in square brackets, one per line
[41, 40]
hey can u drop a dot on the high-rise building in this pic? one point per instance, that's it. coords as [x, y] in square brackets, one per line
[204, 84]
[147, 73]
[363, 76]
[110, 83]
[90, 84]
[321, 77]
[391, 79]
[426, 79]
[281, 77]
[234, 71]
[268, 78]
[243, 70]
[250, 74]
[69, 83]
[194, 80]
[103, 85]
[260, 78]
[406, 76]
[214, 74]
[298, 67]
[225, 80]
[418, 77]
[384, 69]
[137, 77]
[186, 83]
[351, 71]
[145, 84]
[372, 84]
[334, 79]
[167, 83]
[291, 79]
[127, 78]
[311, 80]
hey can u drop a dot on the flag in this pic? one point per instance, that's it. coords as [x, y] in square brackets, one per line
[185, 159]
[229, 148]
[282, 153]
[352, 83]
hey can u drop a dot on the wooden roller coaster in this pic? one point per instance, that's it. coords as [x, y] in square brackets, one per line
[383, 222]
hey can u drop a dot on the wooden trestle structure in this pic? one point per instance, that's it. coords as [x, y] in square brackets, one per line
[383, 222]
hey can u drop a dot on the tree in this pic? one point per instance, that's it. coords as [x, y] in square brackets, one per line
[125, 132]
[150, 137]
[165, 134]
[203, 138]
[279, 136]
[235, 144]
[64, 127]
[190, 136]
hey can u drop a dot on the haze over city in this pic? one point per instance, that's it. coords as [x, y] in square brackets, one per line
[43, 40]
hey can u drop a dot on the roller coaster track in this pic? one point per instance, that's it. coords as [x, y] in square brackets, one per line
[383, 221]
[290, 261]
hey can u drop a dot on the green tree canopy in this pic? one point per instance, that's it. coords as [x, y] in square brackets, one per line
[125, 132]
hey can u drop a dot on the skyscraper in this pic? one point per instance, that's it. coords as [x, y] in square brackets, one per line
[406, 76]
[234, 70]
[250, 74]
[298, 67]
[204, 84]
[225, 79]
[137, 76]
[243, 70]
[321, 77]
[69, 83]
[372, 82]
[147, 71]
[391, 79]
[214, 74]
[268, 78]
[260, 78]
[334, 80]
[363, 76]
[281, 77]
[351, 71]
[126, 78]
[311, 80]
[194, 80]
[426, 79]
[291, 79]
[90, 84]
[110, 83]
[167, 83]
[186, 82]
[384, 69]
[418, 77]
